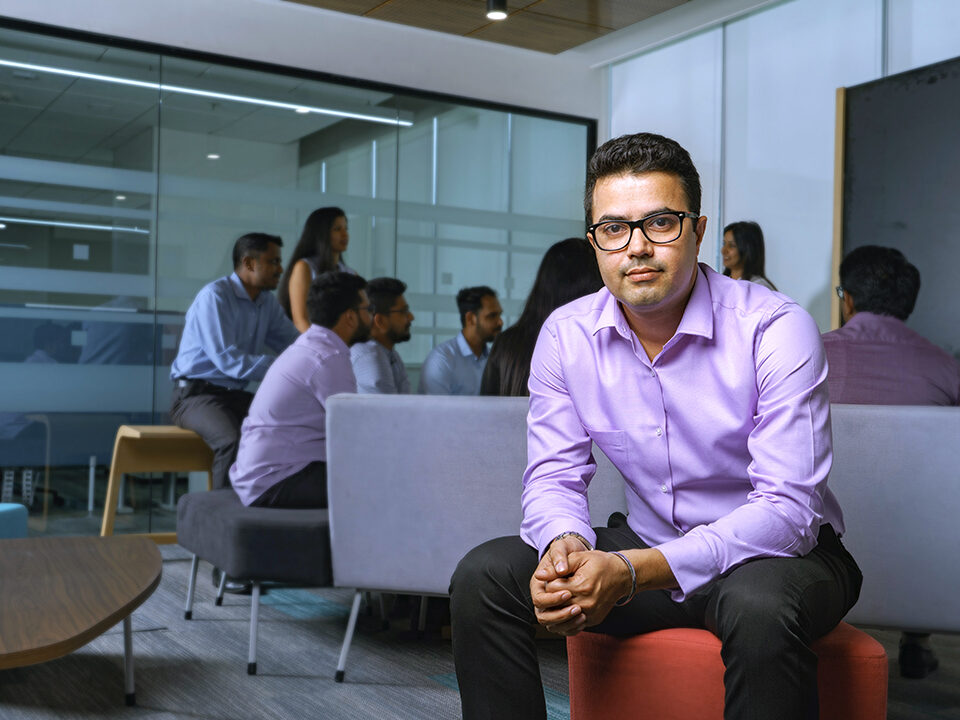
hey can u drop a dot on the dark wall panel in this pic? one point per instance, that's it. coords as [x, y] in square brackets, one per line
[901, 184]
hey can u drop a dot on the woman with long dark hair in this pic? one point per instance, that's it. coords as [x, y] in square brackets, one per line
[568, 271]
[743, 254]
[322, 244]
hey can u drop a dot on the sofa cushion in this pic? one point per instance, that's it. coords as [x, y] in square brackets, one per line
[252, 543]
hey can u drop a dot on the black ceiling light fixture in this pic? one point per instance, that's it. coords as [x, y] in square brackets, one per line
[496, 9]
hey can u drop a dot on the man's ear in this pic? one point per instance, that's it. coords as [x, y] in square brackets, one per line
[848, 306]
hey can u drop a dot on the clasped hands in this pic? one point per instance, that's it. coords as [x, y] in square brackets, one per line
[574, 587]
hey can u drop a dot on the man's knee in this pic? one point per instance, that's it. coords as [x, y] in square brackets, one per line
[501, 565]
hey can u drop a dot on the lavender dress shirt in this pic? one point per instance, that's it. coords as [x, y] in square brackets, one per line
[286, 428]
[878, 360]
[723, 439]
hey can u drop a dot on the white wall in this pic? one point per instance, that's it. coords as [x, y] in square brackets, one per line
[351, 46]
[771, 131]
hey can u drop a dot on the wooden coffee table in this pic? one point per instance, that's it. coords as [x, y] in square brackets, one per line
[59, 593]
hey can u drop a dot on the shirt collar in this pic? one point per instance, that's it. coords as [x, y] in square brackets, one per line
[697, 316]
[465, 348]
[240, 291]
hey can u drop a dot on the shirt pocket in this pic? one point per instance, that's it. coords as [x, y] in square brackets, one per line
[613, 443]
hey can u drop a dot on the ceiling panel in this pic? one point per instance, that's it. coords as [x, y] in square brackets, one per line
[549, 26]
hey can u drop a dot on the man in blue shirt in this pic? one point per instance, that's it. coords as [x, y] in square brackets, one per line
[455, 367]
[228, 328]
[376, 363]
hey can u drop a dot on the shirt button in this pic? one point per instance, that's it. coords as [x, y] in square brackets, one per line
[679, 533]
[663, 488]
[652, 372]
[659, 432]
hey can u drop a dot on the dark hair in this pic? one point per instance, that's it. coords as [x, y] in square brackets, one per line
[749, 239]
[567, 271]
[383, 293]
[638, 154]
[470, 299]
[331, 295]
[253, 245]
[880, 280]
[314, 241]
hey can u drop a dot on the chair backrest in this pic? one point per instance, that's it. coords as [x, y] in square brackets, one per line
[896, 473]
[416, 481]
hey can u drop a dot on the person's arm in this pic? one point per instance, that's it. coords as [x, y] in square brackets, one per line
[281, 332]
[436, 374]
[297, 290]
[372, 370]
[791, 453]
[217, 330]
[560, 464]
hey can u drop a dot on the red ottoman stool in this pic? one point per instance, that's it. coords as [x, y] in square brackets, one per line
[678, 675]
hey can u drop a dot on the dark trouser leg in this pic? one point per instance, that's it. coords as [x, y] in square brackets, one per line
[493, 623]
[766, 613]
[215, 414]
[306, 488]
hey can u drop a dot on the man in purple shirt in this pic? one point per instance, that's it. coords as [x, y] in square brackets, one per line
[709, 395]
[283, 450]
[875, 359]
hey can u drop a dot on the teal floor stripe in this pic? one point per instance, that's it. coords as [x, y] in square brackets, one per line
[303, 604]
[558, 704]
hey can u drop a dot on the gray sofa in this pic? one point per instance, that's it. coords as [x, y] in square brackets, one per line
[415, 482]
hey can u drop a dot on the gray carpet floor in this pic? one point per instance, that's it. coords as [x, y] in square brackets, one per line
[197, 669]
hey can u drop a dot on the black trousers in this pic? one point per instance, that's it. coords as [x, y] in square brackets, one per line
[304, 489]
[215, 413]
[766, 613]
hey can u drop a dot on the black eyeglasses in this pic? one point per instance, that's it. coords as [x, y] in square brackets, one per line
[659, 228]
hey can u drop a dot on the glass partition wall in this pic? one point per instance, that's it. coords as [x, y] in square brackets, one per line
[125, 177]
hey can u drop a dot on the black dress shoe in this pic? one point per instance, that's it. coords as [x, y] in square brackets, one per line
[917, 661]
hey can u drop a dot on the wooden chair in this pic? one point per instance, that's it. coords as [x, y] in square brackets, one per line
[153, 448]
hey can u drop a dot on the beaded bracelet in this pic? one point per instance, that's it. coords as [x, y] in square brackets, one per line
[633, 579]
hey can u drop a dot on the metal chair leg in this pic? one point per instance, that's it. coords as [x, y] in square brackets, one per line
[131, 698]
[254, 621]
[223, 583]
[191, 586]
[348, 638]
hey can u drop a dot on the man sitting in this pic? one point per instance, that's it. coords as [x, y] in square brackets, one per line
[377, 365]
[283, 450]
[455, 367]
[709, 396]
[875, 359]
[228, 328]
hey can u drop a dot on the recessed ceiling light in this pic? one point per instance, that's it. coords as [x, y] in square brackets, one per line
[496, 9]
[213, 156]
[121, 197]
[3, 226]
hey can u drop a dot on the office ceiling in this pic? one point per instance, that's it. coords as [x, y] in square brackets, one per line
[549, 26]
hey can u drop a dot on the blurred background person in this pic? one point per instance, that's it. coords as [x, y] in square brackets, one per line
[875, 359]
[376, 363]
[568, 271]
[743, 254]
[322, 243]
[455, 367]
